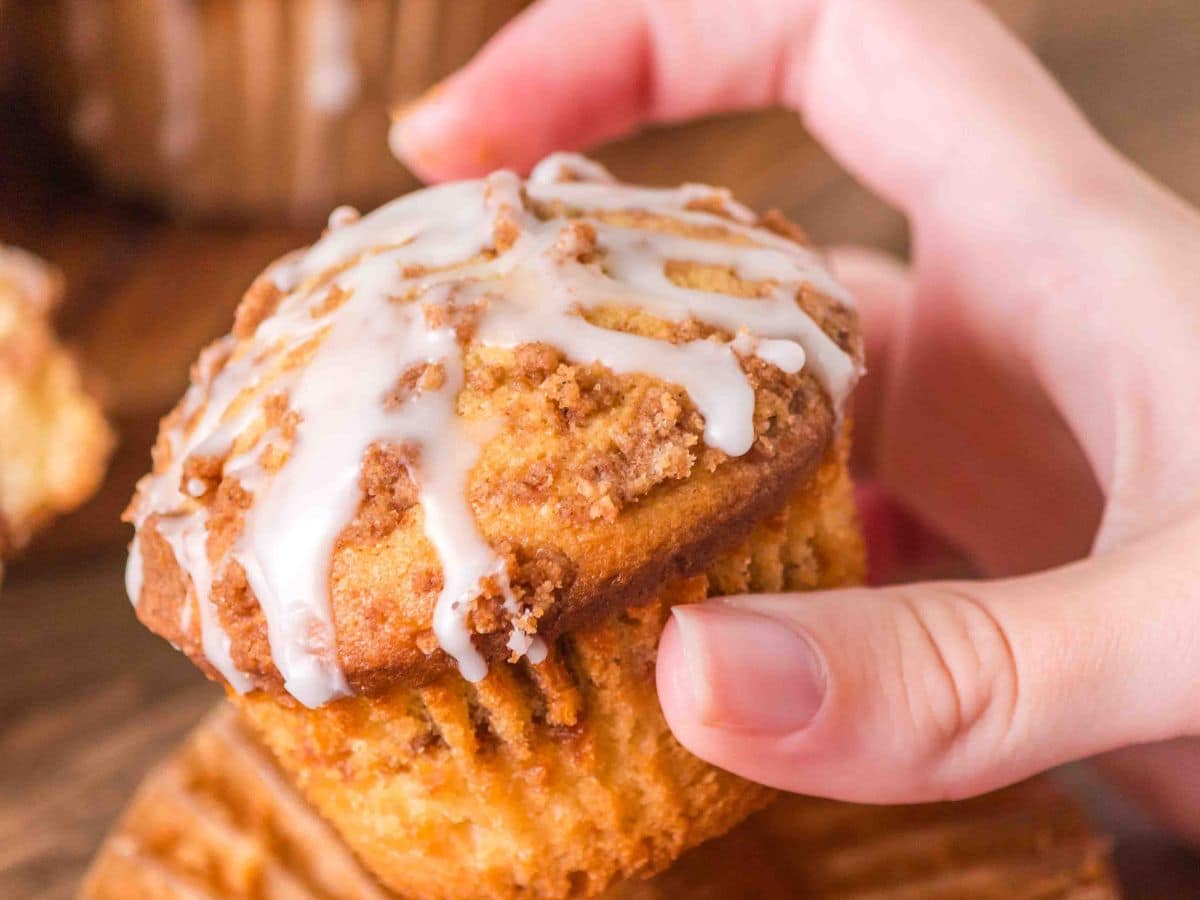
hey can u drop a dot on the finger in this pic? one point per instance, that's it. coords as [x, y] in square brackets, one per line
[978, 114]
[902, 438]
[940, 690]
[899, 546]
[570, 73]
[864, 72]
[1010, 195]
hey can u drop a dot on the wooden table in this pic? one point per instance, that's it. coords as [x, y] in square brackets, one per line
[89, 700]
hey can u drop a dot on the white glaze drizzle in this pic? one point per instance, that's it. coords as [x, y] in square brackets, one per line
[212, 422]
[562, 167]
[332, 80]
[785, 355]
[133, 572]
[343, 216]
[533, 291]
[189, 543]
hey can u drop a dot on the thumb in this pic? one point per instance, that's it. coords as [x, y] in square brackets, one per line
[935, 691]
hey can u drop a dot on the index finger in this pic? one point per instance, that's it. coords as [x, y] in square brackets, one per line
[910, 96]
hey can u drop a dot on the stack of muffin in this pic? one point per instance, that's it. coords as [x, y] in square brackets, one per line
[426, 511]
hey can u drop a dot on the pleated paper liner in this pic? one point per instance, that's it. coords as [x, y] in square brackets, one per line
[218, 820]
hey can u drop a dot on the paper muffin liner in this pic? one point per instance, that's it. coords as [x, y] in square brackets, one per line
[549, 780]
[456, 785]
[248, 109]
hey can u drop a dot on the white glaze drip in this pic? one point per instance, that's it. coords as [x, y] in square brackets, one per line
[189, 544]
[785, 355]
[343, 216]
[133, 572]
[402, 267]
[182, 522]
[560, 167]
[448, 219]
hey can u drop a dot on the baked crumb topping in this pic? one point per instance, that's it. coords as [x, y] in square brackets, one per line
[463, 397]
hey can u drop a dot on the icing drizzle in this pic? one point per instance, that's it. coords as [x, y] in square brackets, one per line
[374, 299]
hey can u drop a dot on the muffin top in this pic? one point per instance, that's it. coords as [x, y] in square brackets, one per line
[486, 414]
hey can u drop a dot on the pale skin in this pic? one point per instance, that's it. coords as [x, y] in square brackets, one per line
[1034, 396]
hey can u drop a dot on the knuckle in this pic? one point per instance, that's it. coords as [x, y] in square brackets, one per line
[961, 681]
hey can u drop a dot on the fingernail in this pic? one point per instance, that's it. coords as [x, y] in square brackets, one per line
[748, 672]
[418, 128]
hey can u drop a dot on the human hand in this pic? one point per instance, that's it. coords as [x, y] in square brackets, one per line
[1034, 394]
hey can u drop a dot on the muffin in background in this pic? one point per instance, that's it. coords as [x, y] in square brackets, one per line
[279, 129]
[54, 441]
[246, 109]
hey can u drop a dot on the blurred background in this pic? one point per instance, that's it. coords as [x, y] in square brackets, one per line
[160, 153]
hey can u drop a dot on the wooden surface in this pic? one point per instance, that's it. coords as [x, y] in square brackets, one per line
[88, 700]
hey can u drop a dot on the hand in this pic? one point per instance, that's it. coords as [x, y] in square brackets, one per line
[1034, 395]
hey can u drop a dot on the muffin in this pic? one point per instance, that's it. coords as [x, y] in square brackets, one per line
[54, 441]
[217, 819]
[246, 108]
[427, 508]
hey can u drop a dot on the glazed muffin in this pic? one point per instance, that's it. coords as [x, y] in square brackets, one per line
[54, 441]
[426, 510]
[246, 108]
